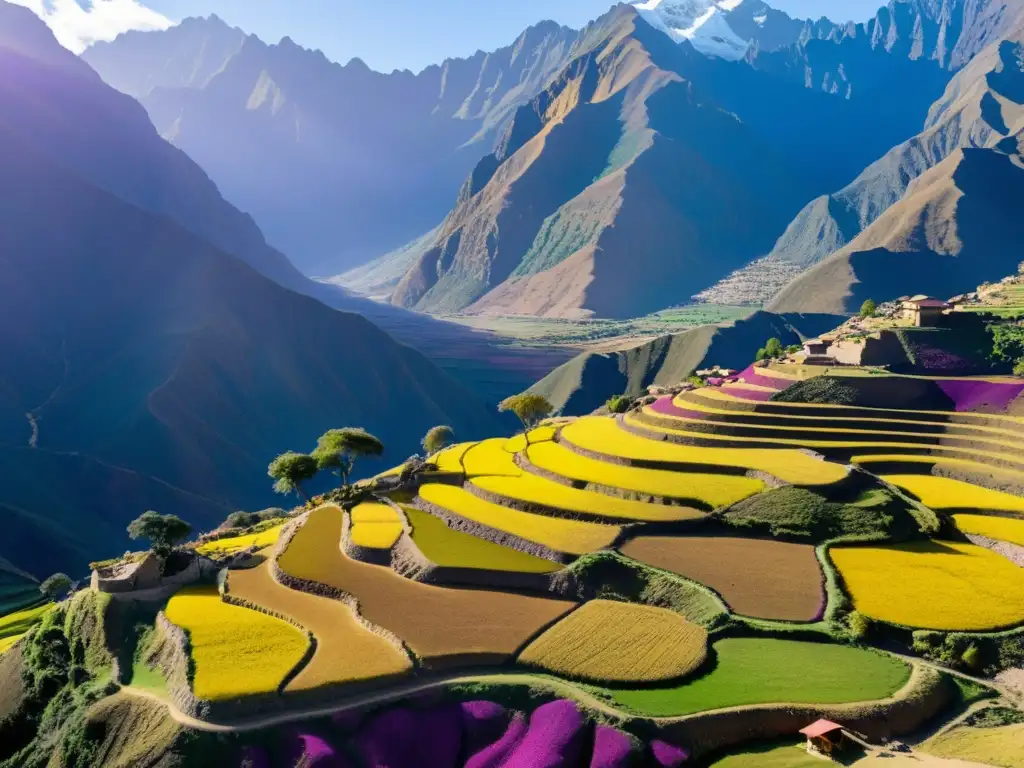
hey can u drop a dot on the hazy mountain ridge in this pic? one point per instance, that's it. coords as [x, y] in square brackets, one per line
[338, 164]
[147, 367]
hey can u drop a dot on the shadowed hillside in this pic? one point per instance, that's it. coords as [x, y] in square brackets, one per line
[950, 191]
[586, 382]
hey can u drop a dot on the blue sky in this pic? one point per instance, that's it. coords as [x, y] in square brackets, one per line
[387, 34]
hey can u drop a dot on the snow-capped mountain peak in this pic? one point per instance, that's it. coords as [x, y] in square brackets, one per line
[702, 22]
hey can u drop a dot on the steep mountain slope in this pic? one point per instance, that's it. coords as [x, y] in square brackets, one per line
[338, 164]
[640, 176]
[586, 382]
[107, 138]
[941, 193]
[190, 373]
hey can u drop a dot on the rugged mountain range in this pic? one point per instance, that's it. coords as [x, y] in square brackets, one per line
[727, 28]
[937, 214]
[586, 382]
[147, 365]
[642, 174]
[337, 164]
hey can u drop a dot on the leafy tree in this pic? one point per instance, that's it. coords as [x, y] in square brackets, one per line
[619, 403]
[773, 349]
[860, 625]
[290, 470]
[697, 381]
[1018, 369]
[762, 353]
[58, 585]
[338, 449]
[437, 438]
[868, 308]
[529, 408]
[1007, 341]
[163, 531]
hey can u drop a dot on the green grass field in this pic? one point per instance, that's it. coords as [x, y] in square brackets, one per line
[772, 756]
[767, 671]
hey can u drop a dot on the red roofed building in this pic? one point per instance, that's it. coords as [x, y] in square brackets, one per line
[923, 311]
[824, 737]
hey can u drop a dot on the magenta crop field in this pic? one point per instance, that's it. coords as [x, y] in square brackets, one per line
[667, 754]
[496, 755]
[666, 407]
[751, 376]
[612, 748]
[755, 395]
[400, 736]
[554, 738]
[970, 394]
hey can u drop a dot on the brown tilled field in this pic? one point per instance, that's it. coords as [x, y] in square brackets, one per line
[441, 625]
[346, 650]
[757, 577]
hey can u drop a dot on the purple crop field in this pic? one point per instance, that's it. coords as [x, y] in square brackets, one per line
[555, 738]
[666, 407]
[483, 723]
[498, 753]
[667, 754]
[751, 376]
[400, 737]
[317, 753]
[973, 394]
[612, 748]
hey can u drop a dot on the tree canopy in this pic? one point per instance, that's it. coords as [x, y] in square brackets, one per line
[337, 450]
[528, 407]
[437, 438]
[163, 531]
[57, 585]
[290, 470]
[868, 308]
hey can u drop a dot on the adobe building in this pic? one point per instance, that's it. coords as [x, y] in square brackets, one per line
[825, 738]
[923, 311]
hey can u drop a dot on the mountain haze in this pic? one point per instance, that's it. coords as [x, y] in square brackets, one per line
[338, 164]
[145, 365]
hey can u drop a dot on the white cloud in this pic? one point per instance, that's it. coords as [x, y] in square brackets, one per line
[76, 28]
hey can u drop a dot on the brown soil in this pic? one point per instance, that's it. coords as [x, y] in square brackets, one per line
[345, 650]
[12, 687]
[441, 625]
[756, 577]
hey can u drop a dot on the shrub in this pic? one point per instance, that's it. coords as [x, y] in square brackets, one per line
[860, 625]
[868, 308]
[773, 348]
[1018, 369]
[820, 390]
[620, 404]
[971, 658]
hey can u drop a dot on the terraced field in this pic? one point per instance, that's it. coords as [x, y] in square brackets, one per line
[605, 641]
[237, 651]
[602, 436]
[346, 650]
[557, 534]
[440, 625]
[453, 549]
[13, 626]
[233, 544]
[707, 489]
[763, 671]
[375, 526]
[933, 585]
[755, 577]
[999, 528]
[946, 493]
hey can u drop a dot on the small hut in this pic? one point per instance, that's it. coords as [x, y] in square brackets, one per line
[825, 737]
[923, 311]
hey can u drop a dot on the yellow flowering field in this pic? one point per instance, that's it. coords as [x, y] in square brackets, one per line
[1001, 528]
[603, 435]
[489, 457]
[447, 460]
[933, 585]
[538, 435]
[606, 641]
[713, 490]
[375, 526]
[570, 536]
[237, 651]
[6, 643]
[946, 493]
[536, 490]
[238, 543]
